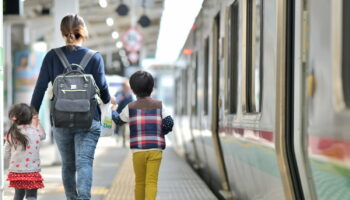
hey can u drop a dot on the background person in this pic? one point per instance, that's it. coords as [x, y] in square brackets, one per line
[123, 97]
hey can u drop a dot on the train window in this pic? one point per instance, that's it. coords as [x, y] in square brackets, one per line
[195, 88]
[345, 73]
[176, 95]
[206, 76]
[233, 58]
[185, 92]
[254, 55]
[192, 80]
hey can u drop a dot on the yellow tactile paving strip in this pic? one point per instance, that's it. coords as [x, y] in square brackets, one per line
[123, 184]
[177, 181]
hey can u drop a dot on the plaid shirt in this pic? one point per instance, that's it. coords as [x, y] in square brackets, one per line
[146, 129]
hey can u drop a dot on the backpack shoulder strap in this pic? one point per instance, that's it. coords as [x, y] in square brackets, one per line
[89, 54]
[62, 58]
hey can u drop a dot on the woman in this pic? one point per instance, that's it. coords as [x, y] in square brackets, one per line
[76, 145]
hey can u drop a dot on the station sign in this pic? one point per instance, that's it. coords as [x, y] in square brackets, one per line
[132, 39]
[133, 57]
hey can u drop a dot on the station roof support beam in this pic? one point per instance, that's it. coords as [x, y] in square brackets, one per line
[61, 9]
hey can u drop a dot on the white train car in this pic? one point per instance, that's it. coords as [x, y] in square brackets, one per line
[263, 102]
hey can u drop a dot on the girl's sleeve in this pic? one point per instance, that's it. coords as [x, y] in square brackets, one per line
[42, 134]
[122, 118]
[167, 121]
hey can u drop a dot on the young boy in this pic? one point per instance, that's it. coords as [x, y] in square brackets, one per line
[148, 123]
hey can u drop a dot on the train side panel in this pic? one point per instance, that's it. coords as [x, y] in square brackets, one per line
[327, 119]
[247, 139]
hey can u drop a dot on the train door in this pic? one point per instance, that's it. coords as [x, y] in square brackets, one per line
[216, 102]
[289, 141]
[326, 98]
[192, 154]
[201, 110]
[300, 113]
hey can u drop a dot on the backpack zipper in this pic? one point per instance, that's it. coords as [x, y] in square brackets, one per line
[97, 89]
[64, 91]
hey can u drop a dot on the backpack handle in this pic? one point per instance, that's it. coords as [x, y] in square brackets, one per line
[75, 72]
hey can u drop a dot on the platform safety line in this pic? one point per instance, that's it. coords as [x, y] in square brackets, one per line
[124, 182]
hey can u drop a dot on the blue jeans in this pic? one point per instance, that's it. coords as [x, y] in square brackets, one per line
[77, 148]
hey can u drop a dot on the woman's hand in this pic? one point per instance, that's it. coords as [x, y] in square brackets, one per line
[35, 121]
[114, 106]
[113, 100]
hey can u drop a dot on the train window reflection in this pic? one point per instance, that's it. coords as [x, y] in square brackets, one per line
[185, 92]
[233, 58]
[206, 76]
[195, 83]
[345, 55]
[254, 55]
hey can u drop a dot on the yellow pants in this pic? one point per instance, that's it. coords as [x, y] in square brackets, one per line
[146, 168]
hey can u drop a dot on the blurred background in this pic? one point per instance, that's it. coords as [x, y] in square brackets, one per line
[129, 34]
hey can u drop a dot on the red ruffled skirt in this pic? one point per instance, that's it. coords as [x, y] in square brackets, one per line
[27, 181]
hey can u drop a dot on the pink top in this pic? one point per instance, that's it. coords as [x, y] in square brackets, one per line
[28, 160]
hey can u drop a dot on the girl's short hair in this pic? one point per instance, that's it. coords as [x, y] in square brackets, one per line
[141, 83]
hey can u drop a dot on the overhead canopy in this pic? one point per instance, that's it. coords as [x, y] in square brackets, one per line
[39, 18]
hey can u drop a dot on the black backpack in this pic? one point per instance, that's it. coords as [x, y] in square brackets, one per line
[74, 94]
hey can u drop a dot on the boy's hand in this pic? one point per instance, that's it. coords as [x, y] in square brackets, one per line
[114, 107]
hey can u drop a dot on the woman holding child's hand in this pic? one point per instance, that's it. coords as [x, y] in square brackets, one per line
[114, 106]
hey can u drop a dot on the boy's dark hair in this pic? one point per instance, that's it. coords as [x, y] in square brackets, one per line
[141, 83]
[20, 114]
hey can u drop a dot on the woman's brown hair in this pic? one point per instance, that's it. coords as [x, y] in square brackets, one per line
[73, 28]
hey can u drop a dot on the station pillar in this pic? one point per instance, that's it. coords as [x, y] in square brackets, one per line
[2, 175]
[62, 9]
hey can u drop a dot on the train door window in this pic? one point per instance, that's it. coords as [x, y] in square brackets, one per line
[233, 58]
[195, 84]
[206, 76]
[345, 72]
[185, 92]
[254, 55]
[176, 93]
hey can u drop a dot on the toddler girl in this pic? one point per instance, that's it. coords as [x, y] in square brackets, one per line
[22, 149]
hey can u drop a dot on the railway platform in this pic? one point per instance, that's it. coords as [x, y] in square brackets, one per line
[114, 179]
[176, 181]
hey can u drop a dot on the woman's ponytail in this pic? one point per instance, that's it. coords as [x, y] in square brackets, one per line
[71, 38]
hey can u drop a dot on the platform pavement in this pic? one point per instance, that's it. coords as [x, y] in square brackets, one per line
[108, 158]
[114, 178]
[177, 181]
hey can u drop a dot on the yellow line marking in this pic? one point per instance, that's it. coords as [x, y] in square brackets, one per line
[100, 191]
[123, 184]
